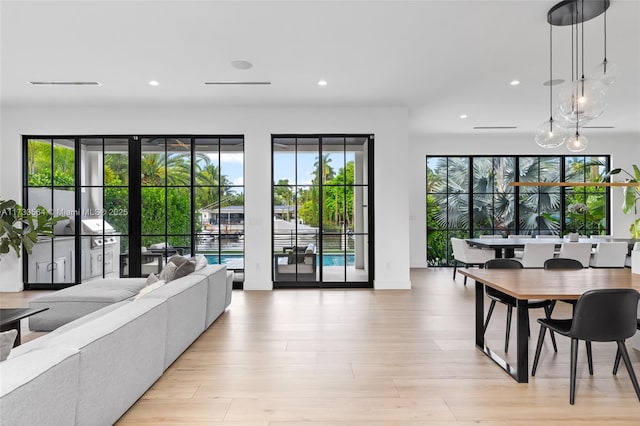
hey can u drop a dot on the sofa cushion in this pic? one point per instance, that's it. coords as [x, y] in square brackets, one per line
[148, 289]
[7, 338]
[186, 300]
[77, 301]
[121, 356]
[40, 388]
[217, 292]
[43, 341]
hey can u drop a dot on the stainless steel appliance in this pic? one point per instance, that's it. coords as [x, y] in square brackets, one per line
[100, 249]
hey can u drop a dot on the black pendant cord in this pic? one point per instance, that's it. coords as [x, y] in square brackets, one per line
[577, 65]
[605, 37]
[550, 77]
[582, 28]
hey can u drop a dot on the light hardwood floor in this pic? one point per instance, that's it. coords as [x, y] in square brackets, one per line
[375, 358]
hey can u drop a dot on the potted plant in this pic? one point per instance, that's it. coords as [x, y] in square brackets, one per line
[631, 195]
[20, 227]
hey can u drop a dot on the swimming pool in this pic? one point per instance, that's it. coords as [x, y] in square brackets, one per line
[238, 259]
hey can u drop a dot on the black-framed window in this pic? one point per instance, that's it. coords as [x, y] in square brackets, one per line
[470, 196]
[322, 193]
[133, 201]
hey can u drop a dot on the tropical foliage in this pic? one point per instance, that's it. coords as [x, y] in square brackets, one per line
[337, 196]
[20, 227]
[631, 196]
[469, 196]
[166, 186]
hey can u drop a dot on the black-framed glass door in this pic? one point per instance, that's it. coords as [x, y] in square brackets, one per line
[322, 228]
[132, 202]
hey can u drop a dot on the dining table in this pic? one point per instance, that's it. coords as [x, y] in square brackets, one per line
[532, 283]
[504, 247]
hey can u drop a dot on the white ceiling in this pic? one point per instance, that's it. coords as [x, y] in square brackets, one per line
[440, 59]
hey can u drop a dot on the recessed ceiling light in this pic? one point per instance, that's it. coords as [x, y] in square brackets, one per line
[494, 127]
[241, 65]
[515, 82]
[322, 83]
[153, 83]
[553, 82]
[463, 116]
[237, 83]
[65, 83]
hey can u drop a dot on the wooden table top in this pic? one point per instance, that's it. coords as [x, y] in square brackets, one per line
[553, 284]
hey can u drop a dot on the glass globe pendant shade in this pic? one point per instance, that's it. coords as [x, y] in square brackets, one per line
[550, 134]
[606, 72]
[577, 143]
[585, 99]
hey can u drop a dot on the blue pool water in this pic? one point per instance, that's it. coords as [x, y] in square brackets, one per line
[327, 259]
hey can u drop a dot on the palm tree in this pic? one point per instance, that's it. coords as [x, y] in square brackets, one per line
[283, 190]
[493, 204]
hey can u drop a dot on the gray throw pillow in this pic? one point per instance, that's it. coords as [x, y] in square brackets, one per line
[177, 259]
[185, 269]
[7, 338]
[168, 272]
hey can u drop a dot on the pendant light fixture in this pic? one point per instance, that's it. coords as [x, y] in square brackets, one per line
[550, 134]
[606, 72]
[584, 99]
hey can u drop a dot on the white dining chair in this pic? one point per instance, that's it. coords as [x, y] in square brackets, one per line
[535, 255]
[627, 262]
[578, 251]
[555, 237]
[468, 256]
[490, 236]
[609, 255]
[517, 252]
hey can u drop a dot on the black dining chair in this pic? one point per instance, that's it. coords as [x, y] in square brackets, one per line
[498, 296]
[604, 315]
[618, 354]
[562, 263]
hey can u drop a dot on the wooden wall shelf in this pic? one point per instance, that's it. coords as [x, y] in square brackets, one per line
[574, 184]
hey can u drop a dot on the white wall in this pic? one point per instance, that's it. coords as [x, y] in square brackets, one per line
[389, 125]
[624, 151]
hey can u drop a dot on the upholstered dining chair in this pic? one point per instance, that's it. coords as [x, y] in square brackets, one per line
[535, 254]
[627, 262]
[578, 251]
[540, 236]
[603, 315]
[610, 254]
[489, 236]
[468, 256]
[498, 296]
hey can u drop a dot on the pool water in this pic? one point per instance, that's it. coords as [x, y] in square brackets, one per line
[327, 259]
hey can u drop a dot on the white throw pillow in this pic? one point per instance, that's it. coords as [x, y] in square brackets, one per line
[148, 289]
[201, 262]
[7, 338]
[152, 278]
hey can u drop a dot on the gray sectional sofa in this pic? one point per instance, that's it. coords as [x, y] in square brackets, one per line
[92, 369]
